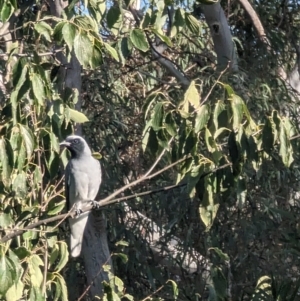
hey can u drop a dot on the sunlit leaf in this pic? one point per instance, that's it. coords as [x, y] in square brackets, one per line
[285, 151]
[8, 273]
[77, 116]
[36, 275]
[83, 48]
[203, 115]
[63, 287]
[113, 16]
[6, 11]
[27, 139]
[69, 32]
[44, 29]
[111, 51]
[38, 87]
[139, 40]
[192, 23]
[19, 185]
[6, 220]
[164, 38]
[192, 96]
[5, 162]
[175, 289]
[36, 294]
[237, 106]
[157, 118]
[63, 256]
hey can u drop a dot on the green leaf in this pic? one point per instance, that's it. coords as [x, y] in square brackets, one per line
[139, 40]
[229, 90]
[190, 143]
[20, 74]
[220, 283]
[44, 29]
[4, 158]
[113, 16]
[77, 116]
[27, 139]
[237, 106]
[15, 292]
[36, 275]
[6, 220]
[220, 107]
[38, 87]
[21, 158]
[22, 252]
[64, 256]
[6, 11]
[178, 23]
[150, 141]
[157, 117]
[83, 48]
[57, 209]
[69, 33]
[112, 51]
[96, 59]
[122, 243]
[36, 294]
[285, 151]
[202, 118]
[164, 38]
[221, 131]
[63, 287]
[192, 23]
[86, 23]
[192, 96]
[170, 124]
[208, 208]
[57, 32]
[123, 49]
[223, 256]
[19, 186]
[8, 274]
[175, 289]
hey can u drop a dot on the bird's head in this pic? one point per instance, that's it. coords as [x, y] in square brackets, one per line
[76, 145]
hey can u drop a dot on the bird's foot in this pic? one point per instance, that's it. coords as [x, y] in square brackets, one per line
[95, 204]
[78, 212]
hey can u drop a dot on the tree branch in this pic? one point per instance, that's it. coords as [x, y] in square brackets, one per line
[102, 203]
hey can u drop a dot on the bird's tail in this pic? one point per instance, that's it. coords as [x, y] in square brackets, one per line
[77, 226]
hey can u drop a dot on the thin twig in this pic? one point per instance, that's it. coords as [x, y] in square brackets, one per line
[31, 55]
[213, 86]
[89, 286]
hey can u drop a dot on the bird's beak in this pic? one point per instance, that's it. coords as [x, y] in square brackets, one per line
[64, 144]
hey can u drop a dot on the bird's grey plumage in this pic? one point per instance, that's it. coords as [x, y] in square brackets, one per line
[82, 182]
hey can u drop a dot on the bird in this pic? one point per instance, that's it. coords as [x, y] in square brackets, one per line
[82, 182]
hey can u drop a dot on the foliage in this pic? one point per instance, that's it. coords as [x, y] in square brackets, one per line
[237, 132]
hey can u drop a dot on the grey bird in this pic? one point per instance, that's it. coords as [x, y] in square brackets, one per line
[82, 182]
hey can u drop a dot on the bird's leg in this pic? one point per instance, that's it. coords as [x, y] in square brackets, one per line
[95, 204]
[78, 211]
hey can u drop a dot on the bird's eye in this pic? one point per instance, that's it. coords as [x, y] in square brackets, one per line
[75, 141]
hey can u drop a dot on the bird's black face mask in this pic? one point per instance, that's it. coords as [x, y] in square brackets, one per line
[75, 145]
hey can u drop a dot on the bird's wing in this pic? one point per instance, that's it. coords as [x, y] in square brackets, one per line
[95, 177]
[67, 180]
